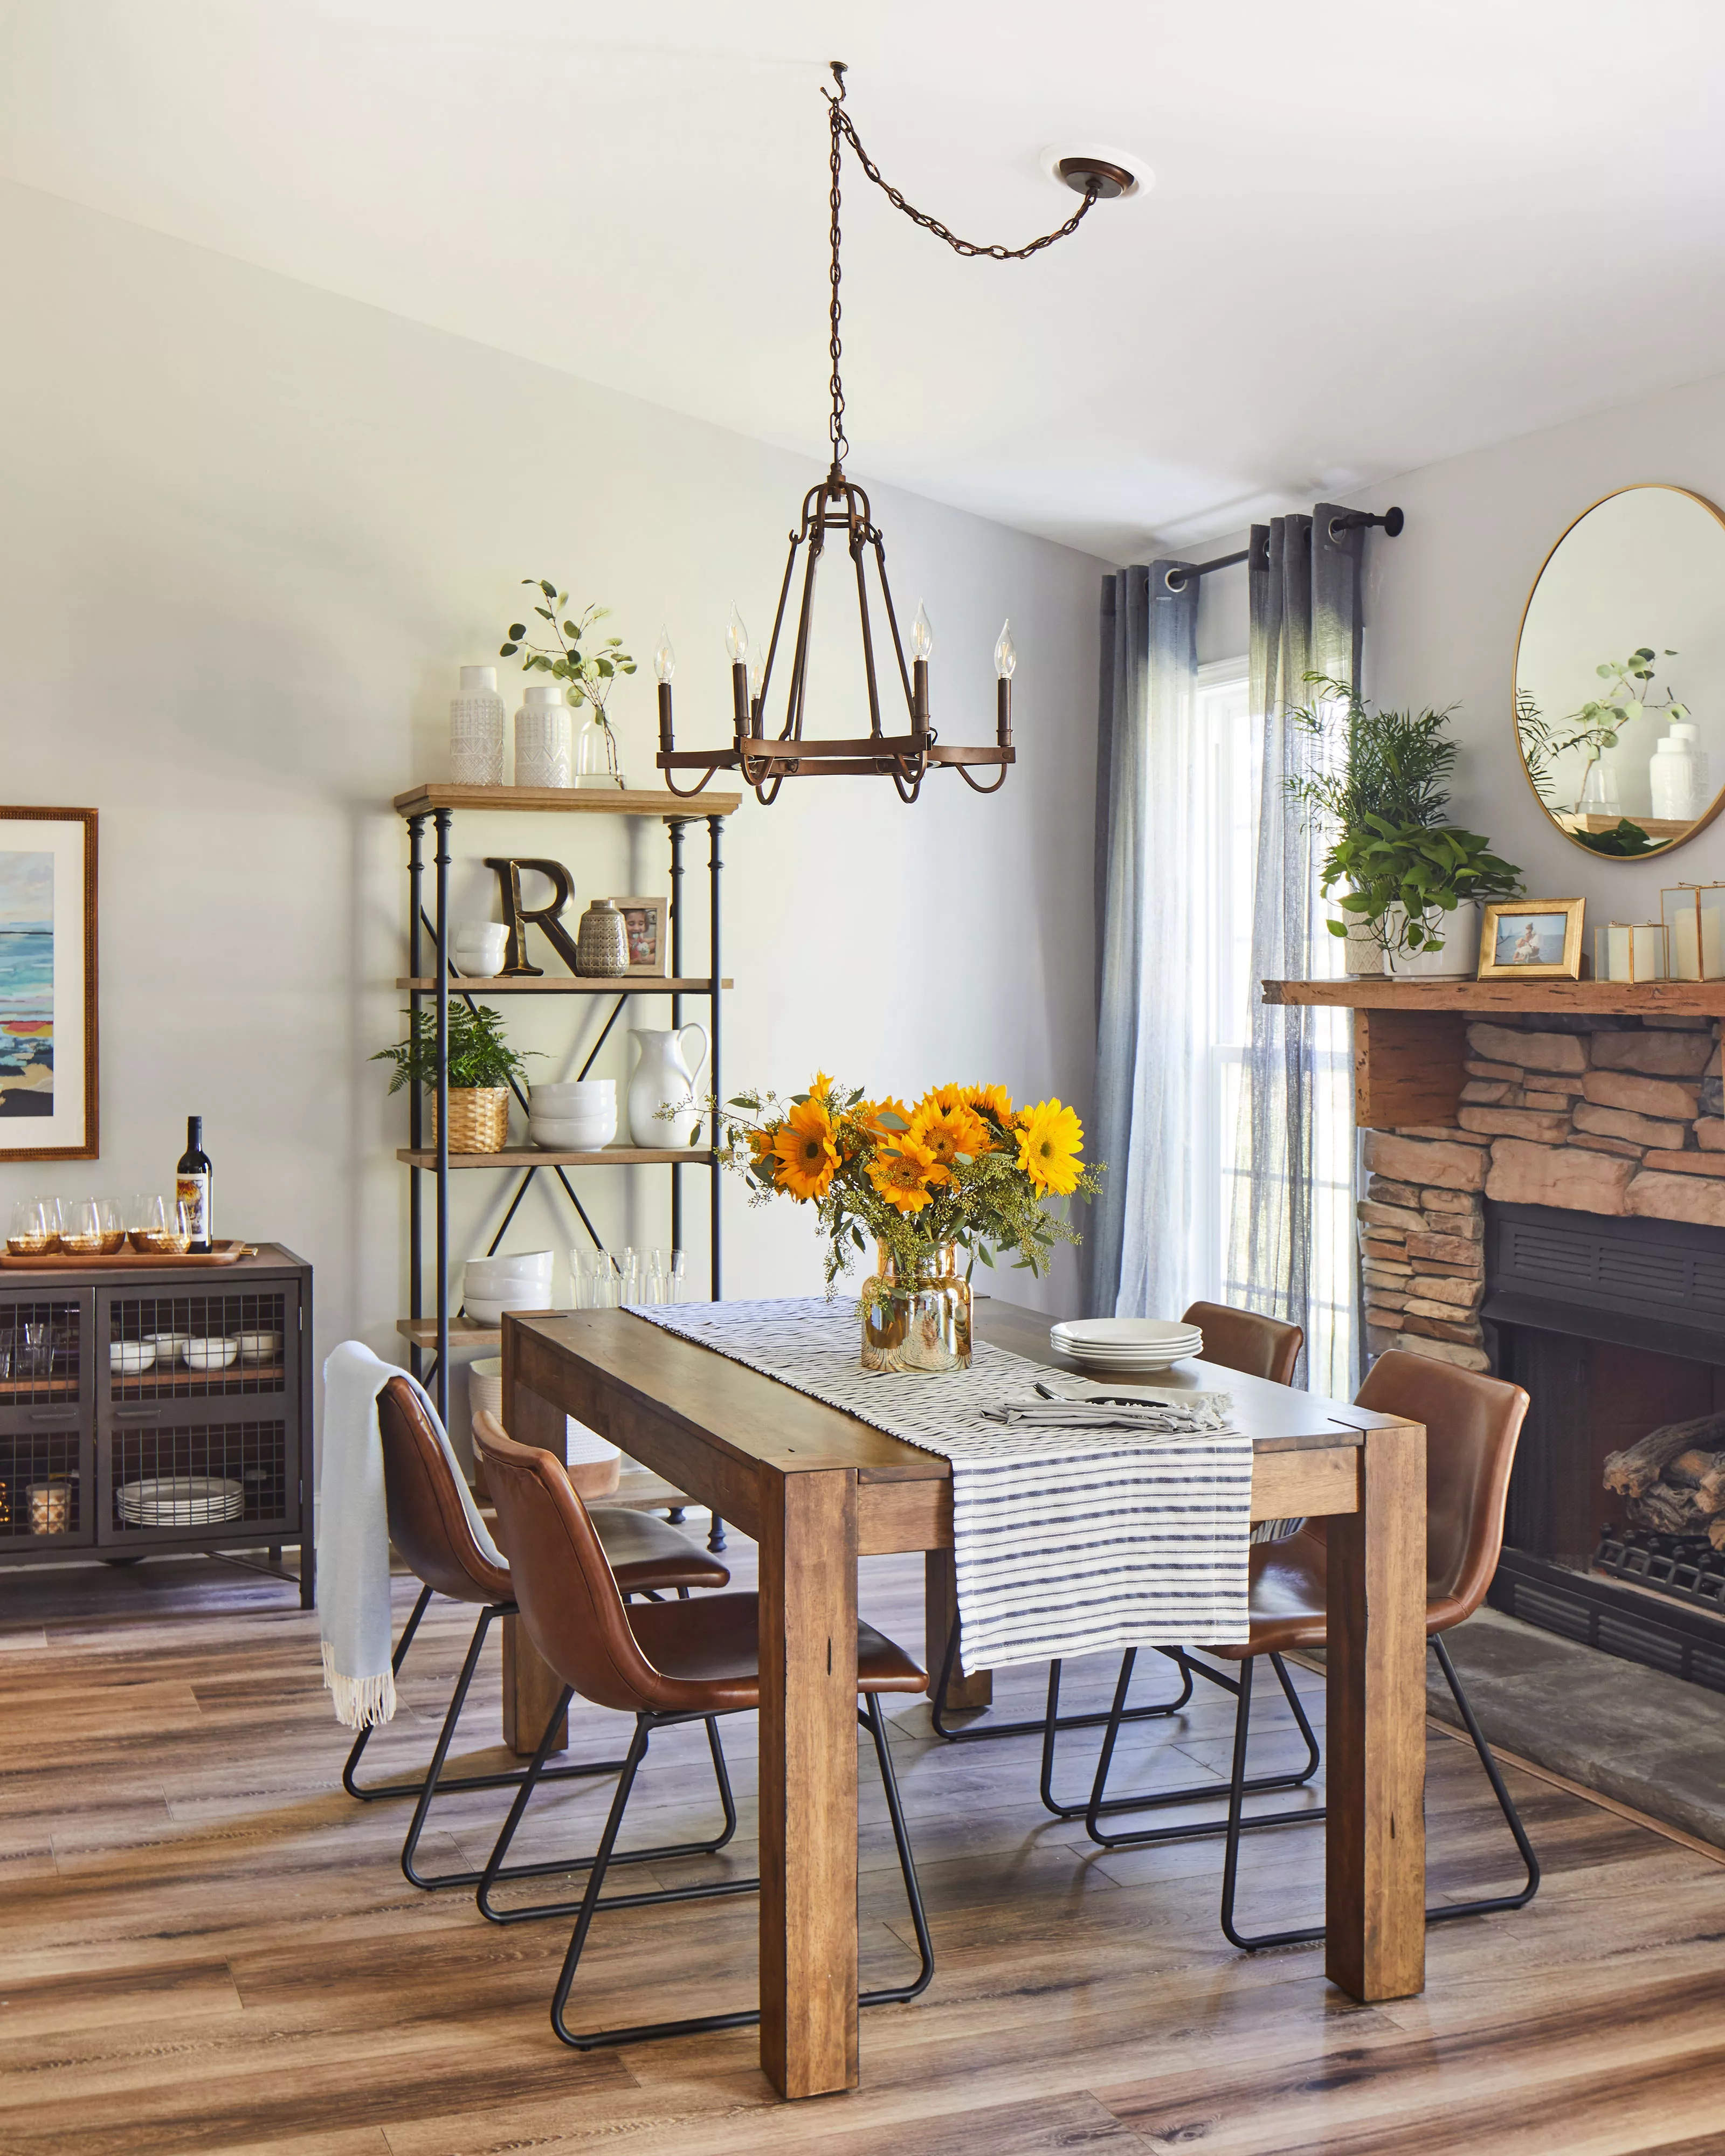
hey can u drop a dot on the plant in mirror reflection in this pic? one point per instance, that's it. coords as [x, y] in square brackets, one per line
[1599, 724]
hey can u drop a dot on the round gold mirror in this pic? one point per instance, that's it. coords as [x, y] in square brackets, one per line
[1620, 673]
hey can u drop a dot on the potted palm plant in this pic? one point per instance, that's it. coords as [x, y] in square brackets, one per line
[481, 1064]
[1408, 885]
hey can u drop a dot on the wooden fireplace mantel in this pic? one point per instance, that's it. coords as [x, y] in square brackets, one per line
[1410, 1037]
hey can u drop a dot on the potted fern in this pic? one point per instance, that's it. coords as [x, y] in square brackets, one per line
[481, 1064]
[1408, 883]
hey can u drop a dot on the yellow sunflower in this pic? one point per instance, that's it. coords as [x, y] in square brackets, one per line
[822, 1088]
[995, 1098]
[905, 1176]
[870, 1112]
[760, 1143]
[804, 1150]
[948, 1131]
[1048, 1139]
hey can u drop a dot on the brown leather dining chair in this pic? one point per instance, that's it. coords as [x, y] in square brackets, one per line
[428, 1525]
[665, 1663]
[1472, 1425]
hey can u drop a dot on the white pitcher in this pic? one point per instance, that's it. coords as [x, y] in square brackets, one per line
[661, 1078]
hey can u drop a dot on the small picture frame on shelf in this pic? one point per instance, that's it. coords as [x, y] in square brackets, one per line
[1531, 939]
[645, 921]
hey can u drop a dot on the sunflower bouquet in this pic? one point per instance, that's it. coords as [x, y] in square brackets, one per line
[962, 1172]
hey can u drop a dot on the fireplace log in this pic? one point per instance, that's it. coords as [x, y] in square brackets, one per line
[1710, 1491]
[1666, 1511]
[1716, 1533]
[1633, 1472]
[1688, 1467]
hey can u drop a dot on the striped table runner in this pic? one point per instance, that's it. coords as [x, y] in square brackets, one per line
[1067, 1541]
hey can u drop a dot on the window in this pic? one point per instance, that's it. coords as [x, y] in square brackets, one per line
[1227, 817]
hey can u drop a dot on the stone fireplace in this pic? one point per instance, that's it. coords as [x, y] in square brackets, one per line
[1568, 1232]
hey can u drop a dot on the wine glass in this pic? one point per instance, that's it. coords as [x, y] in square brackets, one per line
[34, 1230]
[113, 1225]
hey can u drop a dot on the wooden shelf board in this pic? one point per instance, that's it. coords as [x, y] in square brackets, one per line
[1480, 999]
[536, 1156]
[568, 984]
[463, 1332]
[1662, 828]
[568, 800]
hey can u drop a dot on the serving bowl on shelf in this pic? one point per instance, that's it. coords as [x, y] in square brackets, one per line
[573, 1133]
[488, 1310]
[258, 1346]
[131, 1357]
[213, 1353]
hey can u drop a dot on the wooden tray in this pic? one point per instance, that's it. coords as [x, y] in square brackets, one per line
[126, 1260]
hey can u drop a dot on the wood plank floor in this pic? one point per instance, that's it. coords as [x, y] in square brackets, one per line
[204, 1946]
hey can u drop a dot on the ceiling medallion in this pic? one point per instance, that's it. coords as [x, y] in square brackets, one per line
[837, 504]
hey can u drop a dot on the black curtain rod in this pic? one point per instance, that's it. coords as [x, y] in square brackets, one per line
[1257, 550]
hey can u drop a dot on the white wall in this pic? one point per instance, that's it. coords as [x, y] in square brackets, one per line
[251, 529]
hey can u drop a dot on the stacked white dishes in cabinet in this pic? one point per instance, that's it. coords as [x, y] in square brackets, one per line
[180, 1501]
[492, 1286]
[579, 1116]
[1127, 1343]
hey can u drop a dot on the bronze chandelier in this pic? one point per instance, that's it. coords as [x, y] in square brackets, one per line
[838, 505]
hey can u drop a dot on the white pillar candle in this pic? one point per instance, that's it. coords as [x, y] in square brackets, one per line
[1686, 948]
[1618, 952]
[1711, 966]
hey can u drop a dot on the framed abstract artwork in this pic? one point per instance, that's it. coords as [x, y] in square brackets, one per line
[48, 1092]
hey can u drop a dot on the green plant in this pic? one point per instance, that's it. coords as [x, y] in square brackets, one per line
[1599, 723]
[1383, 866]
[1533, 730]
[589, 676]
[1622, 842]
[1364, 761]
[479, 1055]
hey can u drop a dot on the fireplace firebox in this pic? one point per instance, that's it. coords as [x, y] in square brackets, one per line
[1616, 1327]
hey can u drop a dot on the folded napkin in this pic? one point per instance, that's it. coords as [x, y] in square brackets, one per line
[353, 1535]
[1150, 1409]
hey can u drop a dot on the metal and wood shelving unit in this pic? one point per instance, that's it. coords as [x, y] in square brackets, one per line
[431, 1332]
[86, 1446]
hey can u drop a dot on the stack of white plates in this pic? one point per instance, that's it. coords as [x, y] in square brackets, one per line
[1127, 1343]
[180, 1501]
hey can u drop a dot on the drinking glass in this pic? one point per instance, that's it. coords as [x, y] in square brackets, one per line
[595, 1279]
[113, 1225]
[160, 1224]
[33, 1354]
[676, 1276]
[81, 1228]
[33, 1231]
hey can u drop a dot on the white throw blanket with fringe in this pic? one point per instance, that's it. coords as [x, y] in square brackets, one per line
[353, 1535]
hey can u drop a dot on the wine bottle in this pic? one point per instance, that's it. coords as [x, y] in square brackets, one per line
[194, 1178]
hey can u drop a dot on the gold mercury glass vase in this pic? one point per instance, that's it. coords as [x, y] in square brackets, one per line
[917, 1319]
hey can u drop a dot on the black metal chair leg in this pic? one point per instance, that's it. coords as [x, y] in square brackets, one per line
[1444, 1911]
[364, 1737]
[1054, 1725]
[1504, 1802]
[1197, 1792]
[1039, 1727]
[1236, 1799]
[593, 1900]
[496, 1870]
[873, 1720]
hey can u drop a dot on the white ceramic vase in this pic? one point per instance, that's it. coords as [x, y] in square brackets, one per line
[542, 736]
[1362, 954]
[1459, 959]
[661, 1078]
[476, 718]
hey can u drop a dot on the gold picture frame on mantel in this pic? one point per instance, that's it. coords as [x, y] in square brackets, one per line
[1531, 939]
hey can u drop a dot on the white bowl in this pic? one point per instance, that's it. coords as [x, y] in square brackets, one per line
[258, 1346]
[167, 1345]
[574, 1092]
[512, 1264]
[487, 1310]
[478, 947]
[129, 1356]
[214, 1354]
[571, 1133]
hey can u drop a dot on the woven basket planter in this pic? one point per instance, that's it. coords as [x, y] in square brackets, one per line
[479, 1118]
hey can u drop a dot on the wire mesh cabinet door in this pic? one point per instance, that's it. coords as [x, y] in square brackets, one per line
[198, 1434]
[46, 1413]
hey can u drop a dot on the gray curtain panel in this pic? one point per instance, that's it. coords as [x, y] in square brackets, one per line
[1136, 1238]
[1305, 619]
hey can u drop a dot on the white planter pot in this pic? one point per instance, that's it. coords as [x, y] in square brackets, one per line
[1362, 954]
[1459, 959]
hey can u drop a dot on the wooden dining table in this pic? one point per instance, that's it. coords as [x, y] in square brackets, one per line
[816, 1489]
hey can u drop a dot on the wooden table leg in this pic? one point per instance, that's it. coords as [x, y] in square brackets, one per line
[530, 1688]
[940, 1614]
[1375, 1773]
[807, 1776]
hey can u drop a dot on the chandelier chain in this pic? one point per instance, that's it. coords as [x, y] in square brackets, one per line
[844, 132]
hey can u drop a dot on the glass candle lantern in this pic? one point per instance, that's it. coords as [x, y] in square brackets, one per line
[1694, 914]
[1629, 950]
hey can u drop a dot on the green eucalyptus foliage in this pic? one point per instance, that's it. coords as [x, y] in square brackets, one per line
[588, 677]
[479, 1055]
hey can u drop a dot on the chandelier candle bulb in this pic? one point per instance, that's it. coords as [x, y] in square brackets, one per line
[665, 665]
[1006, 659]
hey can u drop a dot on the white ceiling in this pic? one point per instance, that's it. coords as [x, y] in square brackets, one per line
[1379, 235]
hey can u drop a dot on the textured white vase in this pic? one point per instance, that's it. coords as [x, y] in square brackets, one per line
[541, 737]
[1459, 959]
[1677, 775]
[476, 718]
